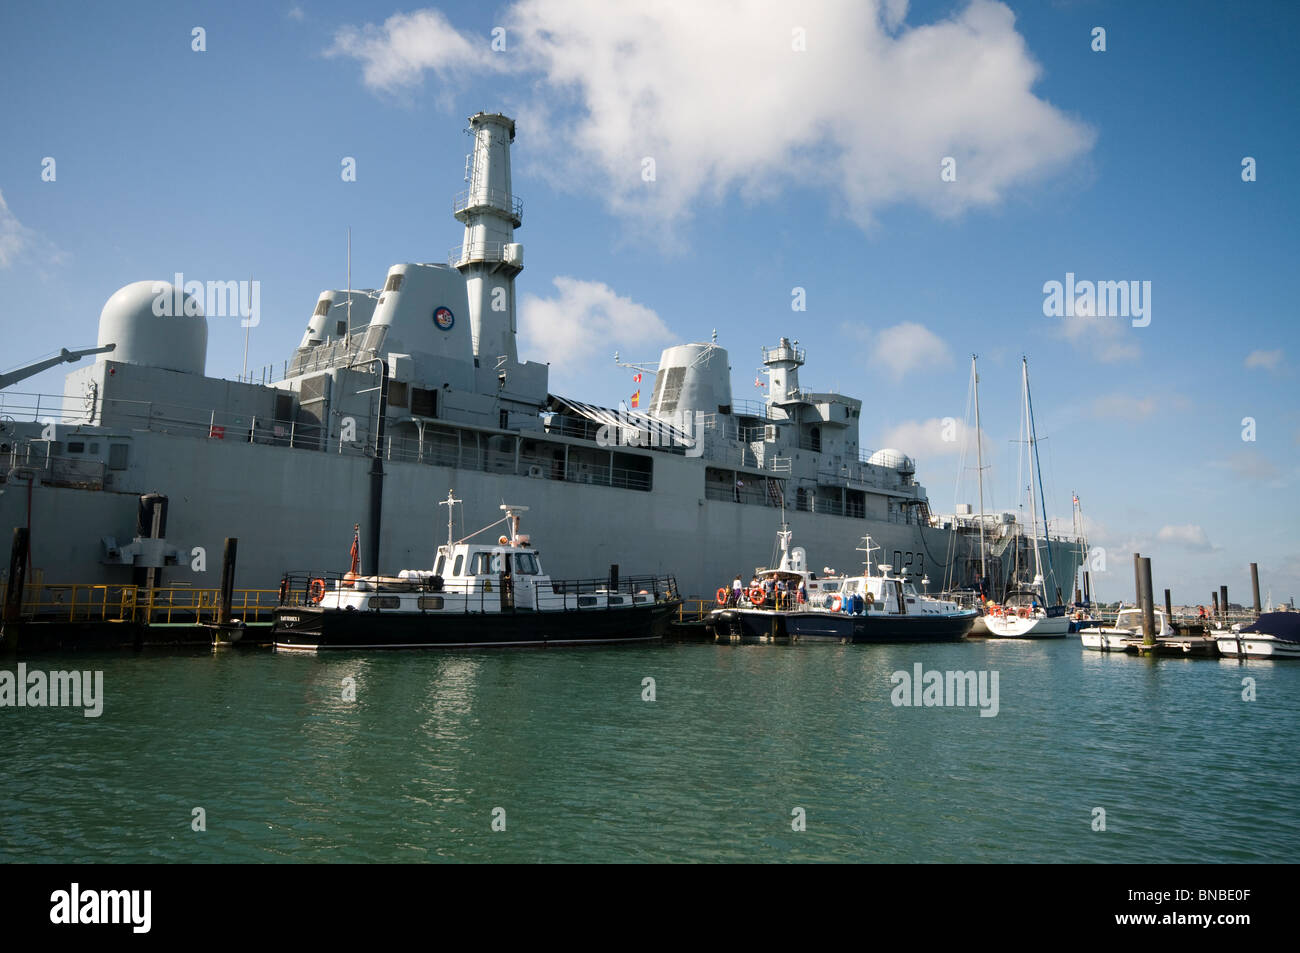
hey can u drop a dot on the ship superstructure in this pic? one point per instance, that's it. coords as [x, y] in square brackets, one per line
[395, 394]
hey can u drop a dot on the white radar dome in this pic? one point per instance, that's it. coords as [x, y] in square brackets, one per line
[889, 457]
[155, 324]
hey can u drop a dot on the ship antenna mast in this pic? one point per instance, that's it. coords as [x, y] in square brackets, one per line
[867, 548]
[450, 502]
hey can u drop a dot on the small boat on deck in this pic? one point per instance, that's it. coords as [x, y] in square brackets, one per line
[476, 594]
[1127, 628]
[1274, 635]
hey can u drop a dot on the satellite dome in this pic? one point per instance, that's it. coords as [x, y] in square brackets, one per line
[155, 324]
[891, 458]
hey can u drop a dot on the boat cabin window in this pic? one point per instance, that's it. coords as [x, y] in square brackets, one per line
[831, 586]
[525, 564]
[460, 560]
[484, 564]
[439, 565]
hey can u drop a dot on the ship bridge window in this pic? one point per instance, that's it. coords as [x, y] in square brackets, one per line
[76, 447]
[322, 307]
[394, 282]
[525, 564]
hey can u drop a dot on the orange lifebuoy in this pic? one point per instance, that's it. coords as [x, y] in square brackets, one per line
[996, 610]
[756, 596]
[722, 595]
[1023, 613]
[316, 591]
[836, 602]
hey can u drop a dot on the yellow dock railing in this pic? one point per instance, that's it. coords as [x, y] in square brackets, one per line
[101, 603]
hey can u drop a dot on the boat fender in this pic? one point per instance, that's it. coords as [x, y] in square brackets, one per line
[316, 591]
[722, 596]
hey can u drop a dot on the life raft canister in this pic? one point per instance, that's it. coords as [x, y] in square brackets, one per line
[316, 591]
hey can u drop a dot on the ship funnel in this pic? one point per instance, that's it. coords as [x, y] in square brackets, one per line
[490, 258]
[692, 378]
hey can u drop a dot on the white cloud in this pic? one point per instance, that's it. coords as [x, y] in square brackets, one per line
[718, 96]
[1105, 339]
[582, 326]
[15, 237]
[925, 439]
[1270, 360]
[901, 348]
[1186, 536]
[397, 54]
[296, 13]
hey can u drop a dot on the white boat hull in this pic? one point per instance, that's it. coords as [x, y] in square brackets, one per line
[1105, 640]
[1256, 646]
[1027, 627]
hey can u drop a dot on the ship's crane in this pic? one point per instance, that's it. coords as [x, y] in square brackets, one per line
[64, 356]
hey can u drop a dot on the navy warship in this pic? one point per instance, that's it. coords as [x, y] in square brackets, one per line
[144, 464]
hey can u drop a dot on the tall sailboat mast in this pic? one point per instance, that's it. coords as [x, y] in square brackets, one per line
[1042, 496]
[1033, 503]
[979, 466]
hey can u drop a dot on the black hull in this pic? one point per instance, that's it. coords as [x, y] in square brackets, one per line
[311, 628]
[751, 624]
[876, 628]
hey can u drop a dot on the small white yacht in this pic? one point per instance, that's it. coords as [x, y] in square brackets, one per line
[1274, 635]
[1127, 627]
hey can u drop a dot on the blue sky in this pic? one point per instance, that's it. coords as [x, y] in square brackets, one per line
[776, 168]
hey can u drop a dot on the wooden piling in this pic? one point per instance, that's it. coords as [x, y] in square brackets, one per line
[1148, 605]
[1169, 609]
[1214, 597]
[1223, 603]
[13, 606]
[1137, 579]
[228, 557]
[1254, 584]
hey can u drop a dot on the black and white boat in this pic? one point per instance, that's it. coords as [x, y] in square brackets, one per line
[761, 610]
[866, 608]
[882, 607]
[476, 594]
[1273, 635]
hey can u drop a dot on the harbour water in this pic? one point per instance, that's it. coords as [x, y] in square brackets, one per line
[584, 768]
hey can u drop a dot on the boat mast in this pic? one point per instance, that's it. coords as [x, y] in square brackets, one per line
[1042, 496]
[450, 502]
[979, 464]
[1033, 510]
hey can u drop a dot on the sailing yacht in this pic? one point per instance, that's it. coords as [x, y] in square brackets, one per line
[1027, 612]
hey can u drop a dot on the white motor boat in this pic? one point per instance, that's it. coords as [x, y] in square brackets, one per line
[1273, 635]
[1127, 627]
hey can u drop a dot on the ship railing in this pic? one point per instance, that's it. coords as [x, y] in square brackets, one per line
[165, 605]
[498, 199]
[481, 593]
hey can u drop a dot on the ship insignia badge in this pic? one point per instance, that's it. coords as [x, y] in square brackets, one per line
[443, 318]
